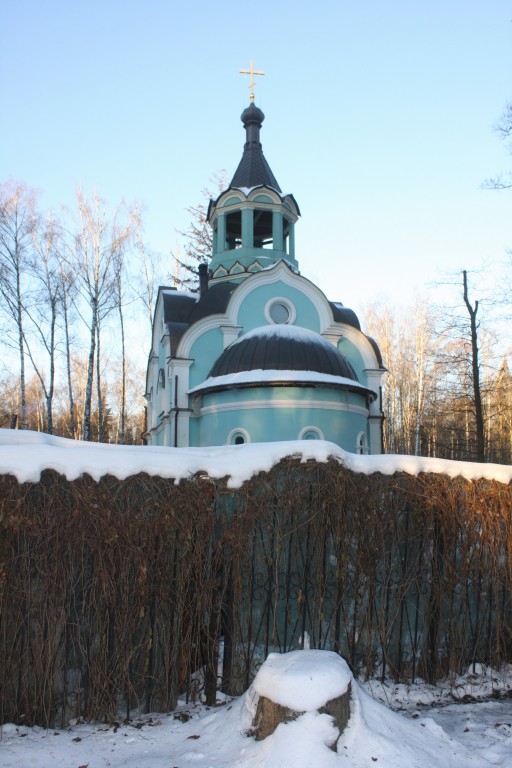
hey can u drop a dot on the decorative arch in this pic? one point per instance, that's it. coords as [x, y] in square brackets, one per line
[311, 433]
[238, 436]
[362, 444]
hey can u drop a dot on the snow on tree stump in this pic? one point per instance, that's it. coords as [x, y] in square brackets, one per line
[290, 684]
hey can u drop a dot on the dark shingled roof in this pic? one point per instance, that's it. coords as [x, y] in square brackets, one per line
[253, 169]
[181, 310]
[177, 306]
[282, 348]
[213, 302]
[377, 351]
[343, 314]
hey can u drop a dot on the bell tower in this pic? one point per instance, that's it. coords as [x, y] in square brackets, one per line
[253, 223]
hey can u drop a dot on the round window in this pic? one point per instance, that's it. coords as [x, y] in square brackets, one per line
[279, 313]
[280, 310]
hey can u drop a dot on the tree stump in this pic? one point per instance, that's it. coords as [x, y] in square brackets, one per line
[269, 714]
[290, 684]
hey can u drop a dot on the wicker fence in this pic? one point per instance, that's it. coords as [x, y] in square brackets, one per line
[128, 594]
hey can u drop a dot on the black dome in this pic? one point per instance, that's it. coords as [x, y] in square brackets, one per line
[252, 114]
[253, 169]
[282, 348]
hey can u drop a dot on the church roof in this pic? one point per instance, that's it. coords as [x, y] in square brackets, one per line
[279, 378]
[183, 309]
[343, 314]
[253, 170]
[213, 301]
[283, 348]
[377, 351]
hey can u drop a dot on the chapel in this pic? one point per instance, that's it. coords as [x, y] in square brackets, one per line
[259, 354]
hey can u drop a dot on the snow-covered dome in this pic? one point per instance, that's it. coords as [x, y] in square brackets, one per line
[283, 347]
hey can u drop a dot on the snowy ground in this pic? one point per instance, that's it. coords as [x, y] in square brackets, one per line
[430, 730]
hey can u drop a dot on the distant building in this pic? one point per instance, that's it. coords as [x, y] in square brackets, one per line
[259, 354]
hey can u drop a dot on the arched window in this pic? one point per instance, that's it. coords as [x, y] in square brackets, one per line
[362, 444]
[311, 433]
[238, 437]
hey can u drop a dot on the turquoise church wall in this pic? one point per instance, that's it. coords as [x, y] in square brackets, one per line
[252, 315]
[207, 348]
[204, 351]
[354, 356]
[280, 421]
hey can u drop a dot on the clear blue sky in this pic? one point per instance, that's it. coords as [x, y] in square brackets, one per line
[378, 119]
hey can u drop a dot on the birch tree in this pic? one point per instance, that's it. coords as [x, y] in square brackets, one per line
[96, 256]
[409, 343]
[44, 312]
[18, 218]
[66, 299]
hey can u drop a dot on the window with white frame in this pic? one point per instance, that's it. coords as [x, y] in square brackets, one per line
[362, 444]
[238, 437]
[311, 433]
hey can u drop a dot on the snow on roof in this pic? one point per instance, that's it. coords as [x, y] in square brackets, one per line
[245, 190]
[26, 454]
[283, 331]
[288, 263]
[303, 680]
[175, 292]
[260, 376]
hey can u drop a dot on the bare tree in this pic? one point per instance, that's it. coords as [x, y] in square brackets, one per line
[500, 448]
[66, 298]
[95, 259]
[146, 276]
[120, 309]
[44, 311]
[504, 130]
[475, 368]
[466, 406]
[18, 218]
[409, 343]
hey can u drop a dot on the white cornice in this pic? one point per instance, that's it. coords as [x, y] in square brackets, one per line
[247, 405]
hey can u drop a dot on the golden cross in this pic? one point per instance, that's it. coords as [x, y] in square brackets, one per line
[251, 72]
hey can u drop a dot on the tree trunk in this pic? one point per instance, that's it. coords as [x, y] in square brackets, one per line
[68, 372]
[121, 438]
[86, 434]
[23, 388]
[101, 431]
[477, 395]
[51, 383]
[21, 345]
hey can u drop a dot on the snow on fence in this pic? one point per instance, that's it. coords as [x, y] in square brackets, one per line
[132, 592]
